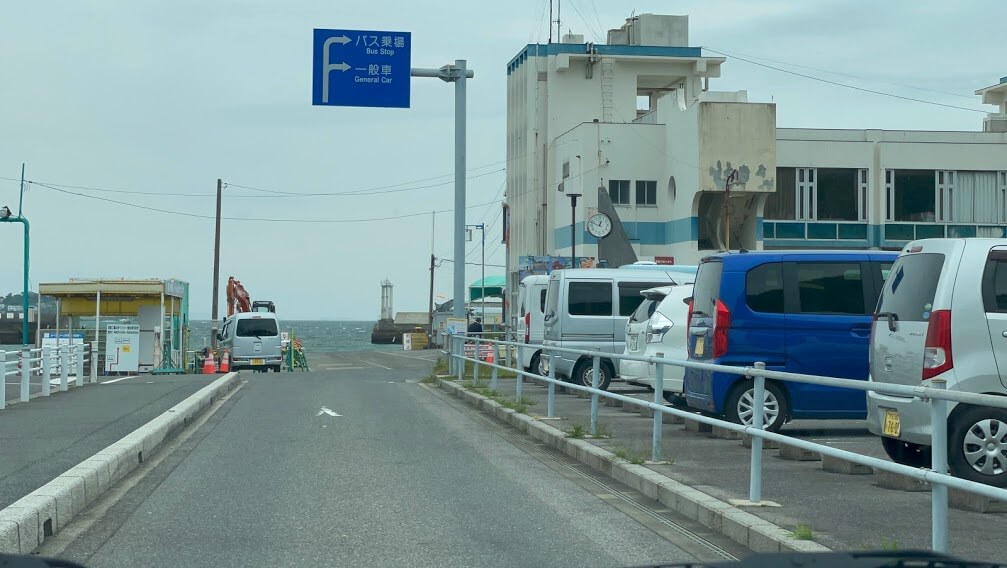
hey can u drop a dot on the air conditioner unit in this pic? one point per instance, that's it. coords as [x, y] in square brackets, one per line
[995, 123]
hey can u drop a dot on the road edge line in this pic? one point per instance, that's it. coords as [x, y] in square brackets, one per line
[27, 522]
[739, 525]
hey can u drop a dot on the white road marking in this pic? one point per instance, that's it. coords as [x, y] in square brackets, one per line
[326, 410]
[119, 379]
[323, 368]
[414, 357]
[377, 365]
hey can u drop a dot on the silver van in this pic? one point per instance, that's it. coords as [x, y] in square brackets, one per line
[587, 308]
[943, 314]
[253, 339]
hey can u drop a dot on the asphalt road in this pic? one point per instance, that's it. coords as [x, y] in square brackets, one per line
[44, 437]
[355, 464]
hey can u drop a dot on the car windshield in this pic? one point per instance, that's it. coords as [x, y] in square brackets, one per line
[706, 290]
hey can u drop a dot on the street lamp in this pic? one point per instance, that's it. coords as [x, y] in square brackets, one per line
[482, 233]
[573, 228]
[7, 217]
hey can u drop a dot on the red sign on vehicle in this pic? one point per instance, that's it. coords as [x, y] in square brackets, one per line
[664, 260]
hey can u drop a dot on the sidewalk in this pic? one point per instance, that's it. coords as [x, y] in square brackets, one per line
[41, 439]
[841, 511]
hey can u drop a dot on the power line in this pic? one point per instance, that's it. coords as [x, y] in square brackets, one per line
[852, 76]
[589, 25]
[845, 85]
[259, 219]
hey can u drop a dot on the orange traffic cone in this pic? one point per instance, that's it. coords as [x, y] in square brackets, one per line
[208, 367]
[225, 362]
[489, 354]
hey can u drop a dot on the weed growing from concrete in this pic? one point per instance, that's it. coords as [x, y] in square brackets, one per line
[632, 456]
[889, 544]
[577, 431]
[802, 532]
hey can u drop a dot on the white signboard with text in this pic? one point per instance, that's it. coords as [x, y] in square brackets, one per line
[122, 348]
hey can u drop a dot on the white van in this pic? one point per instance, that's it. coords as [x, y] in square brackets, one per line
[253, 339]
[531, 298]
[587, 308]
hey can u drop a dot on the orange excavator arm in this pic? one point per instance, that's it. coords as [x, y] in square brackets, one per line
[237, 297]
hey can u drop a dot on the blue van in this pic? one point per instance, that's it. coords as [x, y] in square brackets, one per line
[802, 312]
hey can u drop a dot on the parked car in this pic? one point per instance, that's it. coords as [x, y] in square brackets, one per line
[531, 299]
[253, 339]
[665, 333]
[587, 308]
[801, 312]
[636, 335]
[943, 315]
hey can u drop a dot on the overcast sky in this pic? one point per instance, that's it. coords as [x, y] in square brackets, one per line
[163, 98]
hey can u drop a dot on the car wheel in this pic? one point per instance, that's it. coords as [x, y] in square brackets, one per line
[535, 366]
[584, 369]
[740, 407]
[977, 445]
[907, 453]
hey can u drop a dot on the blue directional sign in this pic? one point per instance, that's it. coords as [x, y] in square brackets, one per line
[361, 68]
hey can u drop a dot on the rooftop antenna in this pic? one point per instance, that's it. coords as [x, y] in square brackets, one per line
[550, 21]
[559, 8]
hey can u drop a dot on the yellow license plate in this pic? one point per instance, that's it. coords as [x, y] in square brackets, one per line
[258, 361]
[700, 343]
[892, 425]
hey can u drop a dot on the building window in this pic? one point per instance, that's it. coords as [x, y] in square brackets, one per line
[646, 192]
[618, 191]
[806, 193]
[911, 195]
[837, 194]
[780, 204]
[566, 170]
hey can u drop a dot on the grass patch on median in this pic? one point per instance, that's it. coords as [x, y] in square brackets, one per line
[803, 532]
[632, 456]
[520, 406]
[577, 432]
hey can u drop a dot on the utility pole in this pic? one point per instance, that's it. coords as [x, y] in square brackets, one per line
[216, 271]
[433, 260]
[727, 214]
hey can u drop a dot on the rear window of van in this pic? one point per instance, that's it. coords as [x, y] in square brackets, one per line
[706, 291]
[256, 327]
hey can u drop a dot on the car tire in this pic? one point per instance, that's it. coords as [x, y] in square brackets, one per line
[739, 408]
[582, 374]
[907, 453]
[677, 400]
[535, 366]
[276, 368]
[977, 445]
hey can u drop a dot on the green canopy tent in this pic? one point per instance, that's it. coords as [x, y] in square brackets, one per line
[494, 286]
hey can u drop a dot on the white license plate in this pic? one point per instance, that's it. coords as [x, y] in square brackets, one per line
[634, 342]
[258, 362]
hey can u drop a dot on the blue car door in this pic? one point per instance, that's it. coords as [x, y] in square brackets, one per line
[828, 333]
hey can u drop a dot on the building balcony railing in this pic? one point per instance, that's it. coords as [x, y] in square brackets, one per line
[859, 233]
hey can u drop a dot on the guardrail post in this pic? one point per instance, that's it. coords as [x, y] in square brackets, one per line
[64, 367]
[758, 421]
[550, 399]
[655, 443]
[478, 360]
[3, 374]
[80, 364]
[496, 361]
[519, 379]
[46, 370]
[449, 346]
[595, 375]
[939, 463]
[460, 369]
[25, 374]
[94, 361]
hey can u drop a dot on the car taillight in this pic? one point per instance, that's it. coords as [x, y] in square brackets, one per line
[723, 323]
[527, 327]
[937, 349]
[688, 317]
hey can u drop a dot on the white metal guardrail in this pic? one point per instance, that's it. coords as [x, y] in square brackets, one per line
[43, 363]
[937, 475]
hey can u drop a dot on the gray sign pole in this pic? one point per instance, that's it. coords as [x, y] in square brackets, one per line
[456, 74]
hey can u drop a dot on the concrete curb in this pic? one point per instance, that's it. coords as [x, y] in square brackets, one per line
[741, 526]
[27, 522]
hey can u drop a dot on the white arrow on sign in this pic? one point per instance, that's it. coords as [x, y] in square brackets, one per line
[339, 67]
[341, 39]
[327, 410]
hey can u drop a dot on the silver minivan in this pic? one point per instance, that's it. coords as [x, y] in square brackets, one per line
[587, 308]
[943, 314]
[253, 339]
